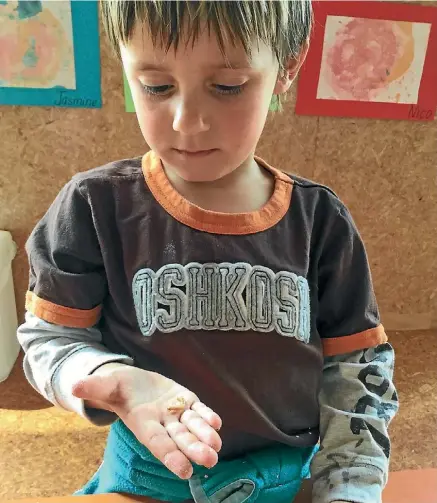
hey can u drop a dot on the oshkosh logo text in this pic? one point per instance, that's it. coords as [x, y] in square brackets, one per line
[222, 297]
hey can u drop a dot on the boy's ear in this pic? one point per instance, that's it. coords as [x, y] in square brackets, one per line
[291, 70]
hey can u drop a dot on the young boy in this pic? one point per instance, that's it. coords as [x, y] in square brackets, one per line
[217, 312]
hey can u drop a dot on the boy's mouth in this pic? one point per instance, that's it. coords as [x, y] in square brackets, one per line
[194, 153]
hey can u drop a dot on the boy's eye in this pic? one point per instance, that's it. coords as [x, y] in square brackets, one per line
[156, 90]
[229, 89]
[161, 90]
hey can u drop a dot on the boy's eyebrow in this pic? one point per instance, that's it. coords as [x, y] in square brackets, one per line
[148, 67]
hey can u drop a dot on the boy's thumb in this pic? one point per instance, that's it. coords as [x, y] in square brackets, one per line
[96, 388]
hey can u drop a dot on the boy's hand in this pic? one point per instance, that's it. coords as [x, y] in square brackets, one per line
[167, 418]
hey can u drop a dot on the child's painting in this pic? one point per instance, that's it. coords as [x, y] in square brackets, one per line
[36, 45]
[371, 59]
[49, 53]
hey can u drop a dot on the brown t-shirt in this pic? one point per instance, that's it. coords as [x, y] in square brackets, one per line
[239, 308]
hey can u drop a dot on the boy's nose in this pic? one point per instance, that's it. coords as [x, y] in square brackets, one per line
[189, 119]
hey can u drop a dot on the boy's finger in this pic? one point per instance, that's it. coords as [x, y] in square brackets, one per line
[189, 444]
[156, 438]
[201, 429]
[208, 415]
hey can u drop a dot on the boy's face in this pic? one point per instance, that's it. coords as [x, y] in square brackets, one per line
[203, 119]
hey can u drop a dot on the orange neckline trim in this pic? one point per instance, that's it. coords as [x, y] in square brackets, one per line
[211, 221]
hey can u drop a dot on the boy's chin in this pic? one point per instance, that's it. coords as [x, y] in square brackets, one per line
[193, 176]
[206, 170]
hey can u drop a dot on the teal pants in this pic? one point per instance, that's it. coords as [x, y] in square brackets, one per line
[272, 475]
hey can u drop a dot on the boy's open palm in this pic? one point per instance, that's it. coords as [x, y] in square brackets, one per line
[164, 416]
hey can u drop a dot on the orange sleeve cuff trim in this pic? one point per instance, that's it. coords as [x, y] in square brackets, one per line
[60, 315]
[349, 343]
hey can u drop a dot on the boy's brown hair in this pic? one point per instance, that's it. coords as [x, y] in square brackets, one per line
[282, 25]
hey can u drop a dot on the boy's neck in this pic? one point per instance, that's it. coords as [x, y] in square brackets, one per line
[246, 189]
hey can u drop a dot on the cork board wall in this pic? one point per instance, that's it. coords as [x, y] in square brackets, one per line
[385, 171]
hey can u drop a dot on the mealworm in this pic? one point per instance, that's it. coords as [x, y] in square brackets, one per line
[181, 404]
